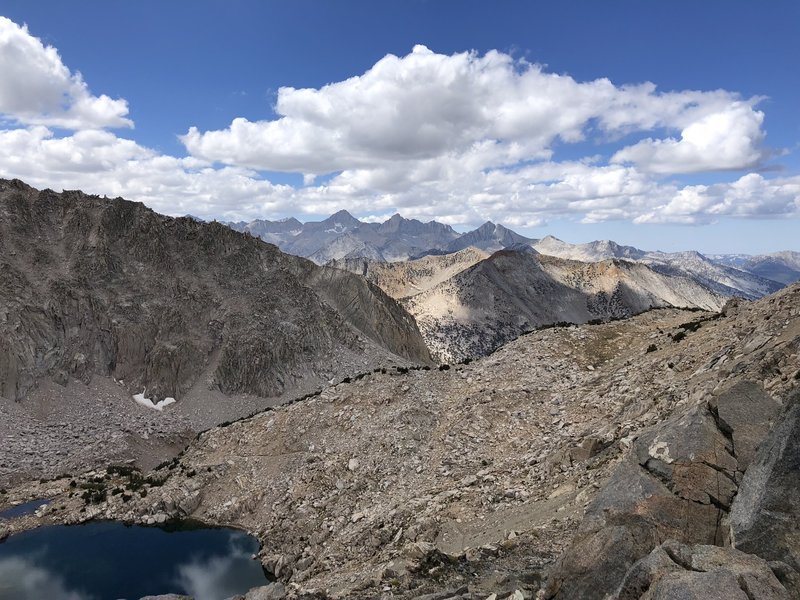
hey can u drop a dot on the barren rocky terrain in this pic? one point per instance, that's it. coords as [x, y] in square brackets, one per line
[645, 457]
[655, 457]
[101, 300]
[468, 303]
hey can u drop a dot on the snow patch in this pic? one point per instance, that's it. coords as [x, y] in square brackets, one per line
[148, 403]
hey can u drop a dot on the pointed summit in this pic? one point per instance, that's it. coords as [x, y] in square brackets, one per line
[344, 218]
[489, 237]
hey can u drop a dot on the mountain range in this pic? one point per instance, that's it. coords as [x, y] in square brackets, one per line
[342, 236]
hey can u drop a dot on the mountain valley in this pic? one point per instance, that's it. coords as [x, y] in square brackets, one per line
[488, 420]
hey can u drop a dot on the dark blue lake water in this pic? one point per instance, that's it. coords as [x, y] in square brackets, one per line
[26, 508]
[109, 560]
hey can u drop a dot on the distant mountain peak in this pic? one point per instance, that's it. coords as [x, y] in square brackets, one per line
[342, 215]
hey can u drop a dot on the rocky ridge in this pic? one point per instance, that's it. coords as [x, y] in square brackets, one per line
[108, 287]
[783, 267]
[467, 303]
[722, 278]
[634, 459]
[405, 279]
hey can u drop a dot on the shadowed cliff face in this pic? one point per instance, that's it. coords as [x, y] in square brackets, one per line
[90, 286]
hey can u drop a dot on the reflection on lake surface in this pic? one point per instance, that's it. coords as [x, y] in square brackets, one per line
[109, 560]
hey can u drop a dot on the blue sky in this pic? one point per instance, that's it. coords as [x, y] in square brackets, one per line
[182, 65]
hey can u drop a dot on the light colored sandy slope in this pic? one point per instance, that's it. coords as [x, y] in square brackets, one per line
[511, 292]
[405, 279]
[721, 278]
[589, 252]
[605, 278]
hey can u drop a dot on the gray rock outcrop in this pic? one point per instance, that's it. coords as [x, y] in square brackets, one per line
[679, 482]
[765, 517]
[700, 572]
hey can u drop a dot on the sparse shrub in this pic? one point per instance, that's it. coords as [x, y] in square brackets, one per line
[691, 326]
[94, 496]
[444, 367]
[651, 348]
[121, 470]
[677, 337]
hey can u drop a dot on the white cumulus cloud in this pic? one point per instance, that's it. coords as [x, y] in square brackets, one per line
[751, 195]
[424, 106]
[36, 87]
[728, 139]
[459, 138]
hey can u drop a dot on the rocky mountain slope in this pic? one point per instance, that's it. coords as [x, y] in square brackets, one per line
[655, 457]
[408, 278]
[107, 288]
[467, 304]
[489, 237]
